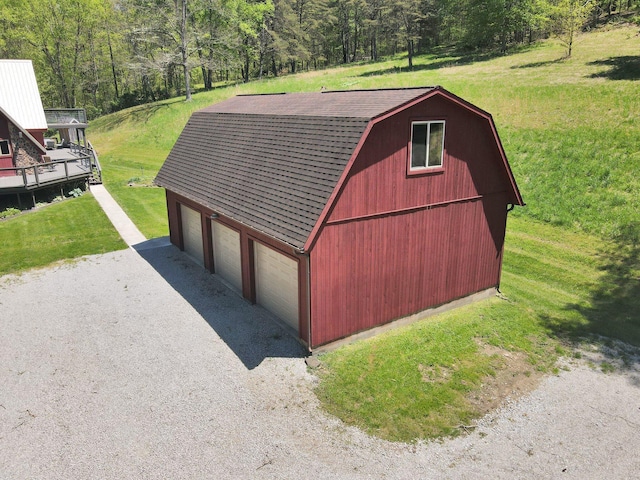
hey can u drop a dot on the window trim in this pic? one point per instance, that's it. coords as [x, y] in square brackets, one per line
[427, 169]
[9, 154]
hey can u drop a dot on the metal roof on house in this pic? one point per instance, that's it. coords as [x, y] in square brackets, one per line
[19, 95]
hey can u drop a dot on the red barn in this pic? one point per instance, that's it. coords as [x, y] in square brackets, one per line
[342, 211]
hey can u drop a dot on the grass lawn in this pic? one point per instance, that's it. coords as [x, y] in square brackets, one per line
[571, 131]
[60, 231]
[425, 380]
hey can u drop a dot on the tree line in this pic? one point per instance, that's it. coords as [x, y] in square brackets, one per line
[106, 55]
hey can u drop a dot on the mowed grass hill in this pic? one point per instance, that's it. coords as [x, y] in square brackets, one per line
[570, 127]
[571, 274]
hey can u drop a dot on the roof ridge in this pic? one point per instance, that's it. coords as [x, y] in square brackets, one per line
[380, 89]
[384, 89]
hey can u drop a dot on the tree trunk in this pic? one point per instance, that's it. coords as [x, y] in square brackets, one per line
[184, 52]
[345, 48]
[113, 66]
[245, 68]
[95, 84]
[54, 62]
[374, 48]
[355, 37]
[203, 67]
[76, 55]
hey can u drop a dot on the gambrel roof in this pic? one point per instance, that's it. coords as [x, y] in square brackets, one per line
[273, 162]
[19, 94]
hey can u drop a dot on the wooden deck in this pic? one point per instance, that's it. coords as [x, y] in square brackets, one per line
[65, 165]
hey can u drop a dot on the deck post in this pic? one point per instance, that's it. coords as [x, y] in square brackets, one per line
[24, 176]
[66, 170]
[33, 198]
[35, 172]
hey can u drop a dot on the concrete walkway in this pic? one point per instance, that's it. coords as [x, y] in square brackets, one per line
[123, 224]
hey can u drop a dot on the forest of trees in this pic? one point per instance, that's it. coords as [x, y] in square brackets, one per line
[105, 55]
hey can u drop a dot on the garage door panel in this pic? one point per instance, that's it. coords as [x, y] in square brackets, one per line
[277, 283]
[192, 233]
[226, 254]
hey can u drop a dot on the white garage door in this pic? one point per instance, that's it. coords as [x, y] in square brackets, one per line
[226, 254]
[192, 233]
[277, 283]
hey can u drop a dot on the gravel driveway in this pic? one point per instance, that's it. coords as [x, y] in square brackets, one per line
[141, 365]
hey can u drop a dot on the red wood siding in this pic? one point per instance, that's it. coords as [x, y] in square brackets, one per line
[4, 128]
[38, 135]
[6, 161]
[378, 181]
[368, 272]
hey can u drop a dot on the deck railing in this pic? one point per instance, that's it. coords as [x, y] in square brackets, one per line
[95, 163]
[89, 152]
[46, 173]
[65, 115]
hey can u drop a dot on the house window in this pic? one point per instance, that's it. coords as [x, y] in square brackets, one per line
[4, 147]
[427, 144]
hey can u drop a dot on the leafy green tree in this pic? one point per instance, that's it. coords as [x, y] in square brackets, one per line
[499, 23]
[316, 20]
[12, 44]
[289, 40]
[109, 54]
[569, 17]
[375, 14]
[408, 15]
[251, 17]
[348, 27]
[162, 38]
[434, 16]
[216, 38]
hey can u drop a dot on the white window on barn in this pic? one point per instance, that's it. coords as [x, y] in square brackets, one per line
[427, 144]
[4, 147]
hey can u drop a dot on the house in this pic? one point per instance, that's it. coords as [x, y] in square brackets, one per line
[23, 125]
[342, 211]
[22, 120]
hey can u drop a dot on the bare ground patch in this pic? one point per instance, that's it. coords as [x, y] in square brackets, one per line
[514, 377]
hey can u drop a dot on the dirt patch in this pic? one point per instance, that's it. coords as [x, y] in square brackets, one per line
[514, 377]
[435, 373]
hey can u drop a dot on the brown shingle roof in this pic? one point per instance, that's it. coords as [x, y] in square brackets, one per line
[272, 161]
[353, 103]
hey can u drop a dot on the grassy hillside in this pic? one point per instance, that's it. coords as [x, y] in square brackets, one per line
[571, 130]
[570, 127]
